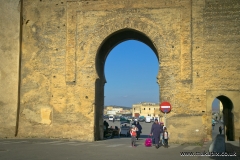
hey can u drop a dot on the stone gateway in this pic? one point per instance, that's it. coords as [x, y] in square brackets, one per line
[52, 56]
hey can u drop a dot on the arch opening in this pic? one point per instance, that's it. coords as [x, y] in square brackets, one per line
[105, 48]
[113, 40]
[224, 118]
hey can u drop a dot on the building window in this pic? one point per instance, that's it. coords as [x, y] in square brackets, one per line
[143, 108]
[149, 108]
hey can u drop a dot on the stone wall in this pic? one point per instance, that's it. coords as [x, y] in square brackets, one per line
[9, 66]
[65, 45]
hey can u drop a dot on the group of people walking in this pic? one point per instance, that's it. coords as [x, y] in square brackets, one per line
[158, 131]
[160, 134]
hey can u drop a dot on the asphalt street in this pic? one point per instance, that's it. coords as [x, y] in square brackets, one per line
[215, 129]
[118, 148]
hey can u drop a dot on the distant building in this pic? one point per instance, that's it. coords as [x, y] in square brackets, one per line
[111, 110]
[111, 113]
[145, 109]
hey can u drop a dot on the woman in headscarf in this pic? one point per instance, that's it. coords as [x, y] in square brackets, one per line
[155, 131]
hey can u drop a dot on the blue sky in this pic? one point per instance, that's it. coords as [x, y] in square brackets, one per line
[131, 69]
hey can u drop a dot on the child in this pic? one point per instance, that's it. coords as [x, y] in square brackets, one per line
[165, 137]
[133, 133]
[161, 133]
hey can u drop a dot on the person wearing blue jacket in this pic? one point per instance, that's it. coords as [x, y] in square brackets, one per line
[155, 132]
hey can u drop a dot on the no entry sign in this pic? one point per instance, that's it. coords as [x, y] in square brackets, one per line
[165, 107]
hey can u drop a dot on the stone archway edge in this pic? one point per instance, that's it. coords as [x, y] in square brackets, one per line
[156, 32]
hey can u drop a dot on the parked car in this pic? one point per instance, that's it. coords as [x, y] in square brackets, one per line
[117, 118]
[213, 121]
[130, 118]
[111, 118]
[148, 119]
[141, 119]
[105, 117]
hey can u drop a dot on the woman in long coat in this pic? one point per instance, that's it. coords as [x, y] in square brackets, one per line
[155, 131]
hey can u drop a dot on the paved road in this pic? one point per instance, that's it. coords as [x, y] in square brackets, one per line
[110, 149]
[215, 130]
[117, 149]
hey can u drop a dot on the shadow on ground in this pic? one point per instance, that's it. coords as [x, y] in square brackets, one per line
[231, 149]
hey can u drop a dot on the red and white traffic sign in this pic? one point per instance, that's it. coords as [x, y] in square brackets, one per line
[165, 107]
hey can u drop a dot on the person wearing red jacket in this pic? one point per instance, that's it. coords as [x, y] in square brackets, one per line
[133, 133]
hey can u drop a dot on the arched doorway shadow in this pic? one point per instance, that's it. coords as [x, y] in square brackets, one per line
[227, 117]
[107, 45]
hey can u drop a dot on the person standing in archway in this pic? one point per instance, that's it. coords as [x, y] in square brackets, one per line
[220, 129]
[105, 124]
[213, 124]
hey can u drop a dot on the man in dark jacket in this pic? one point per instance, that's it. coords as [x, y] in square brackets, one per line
[139, 131]
[155, 131]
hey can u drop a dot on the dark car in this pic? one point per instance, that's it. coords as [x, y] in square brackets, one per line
[141, 119]
[117, 118]
[105, 117]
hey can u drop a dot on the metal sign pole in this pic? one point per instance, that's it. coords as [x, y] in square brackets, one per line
[165, 116]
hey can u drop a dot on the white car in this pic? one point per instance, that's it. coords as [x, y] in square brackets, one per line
[110, 118]
[148, 119]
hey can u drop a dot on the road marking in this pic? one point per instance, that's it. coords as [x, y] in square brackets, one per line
[190, 147]
[115, 145]
[95, 145]
[58, 143]
[49, 142]
[11, 142]
[77, 144]
[5, 142]
[71, 142]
